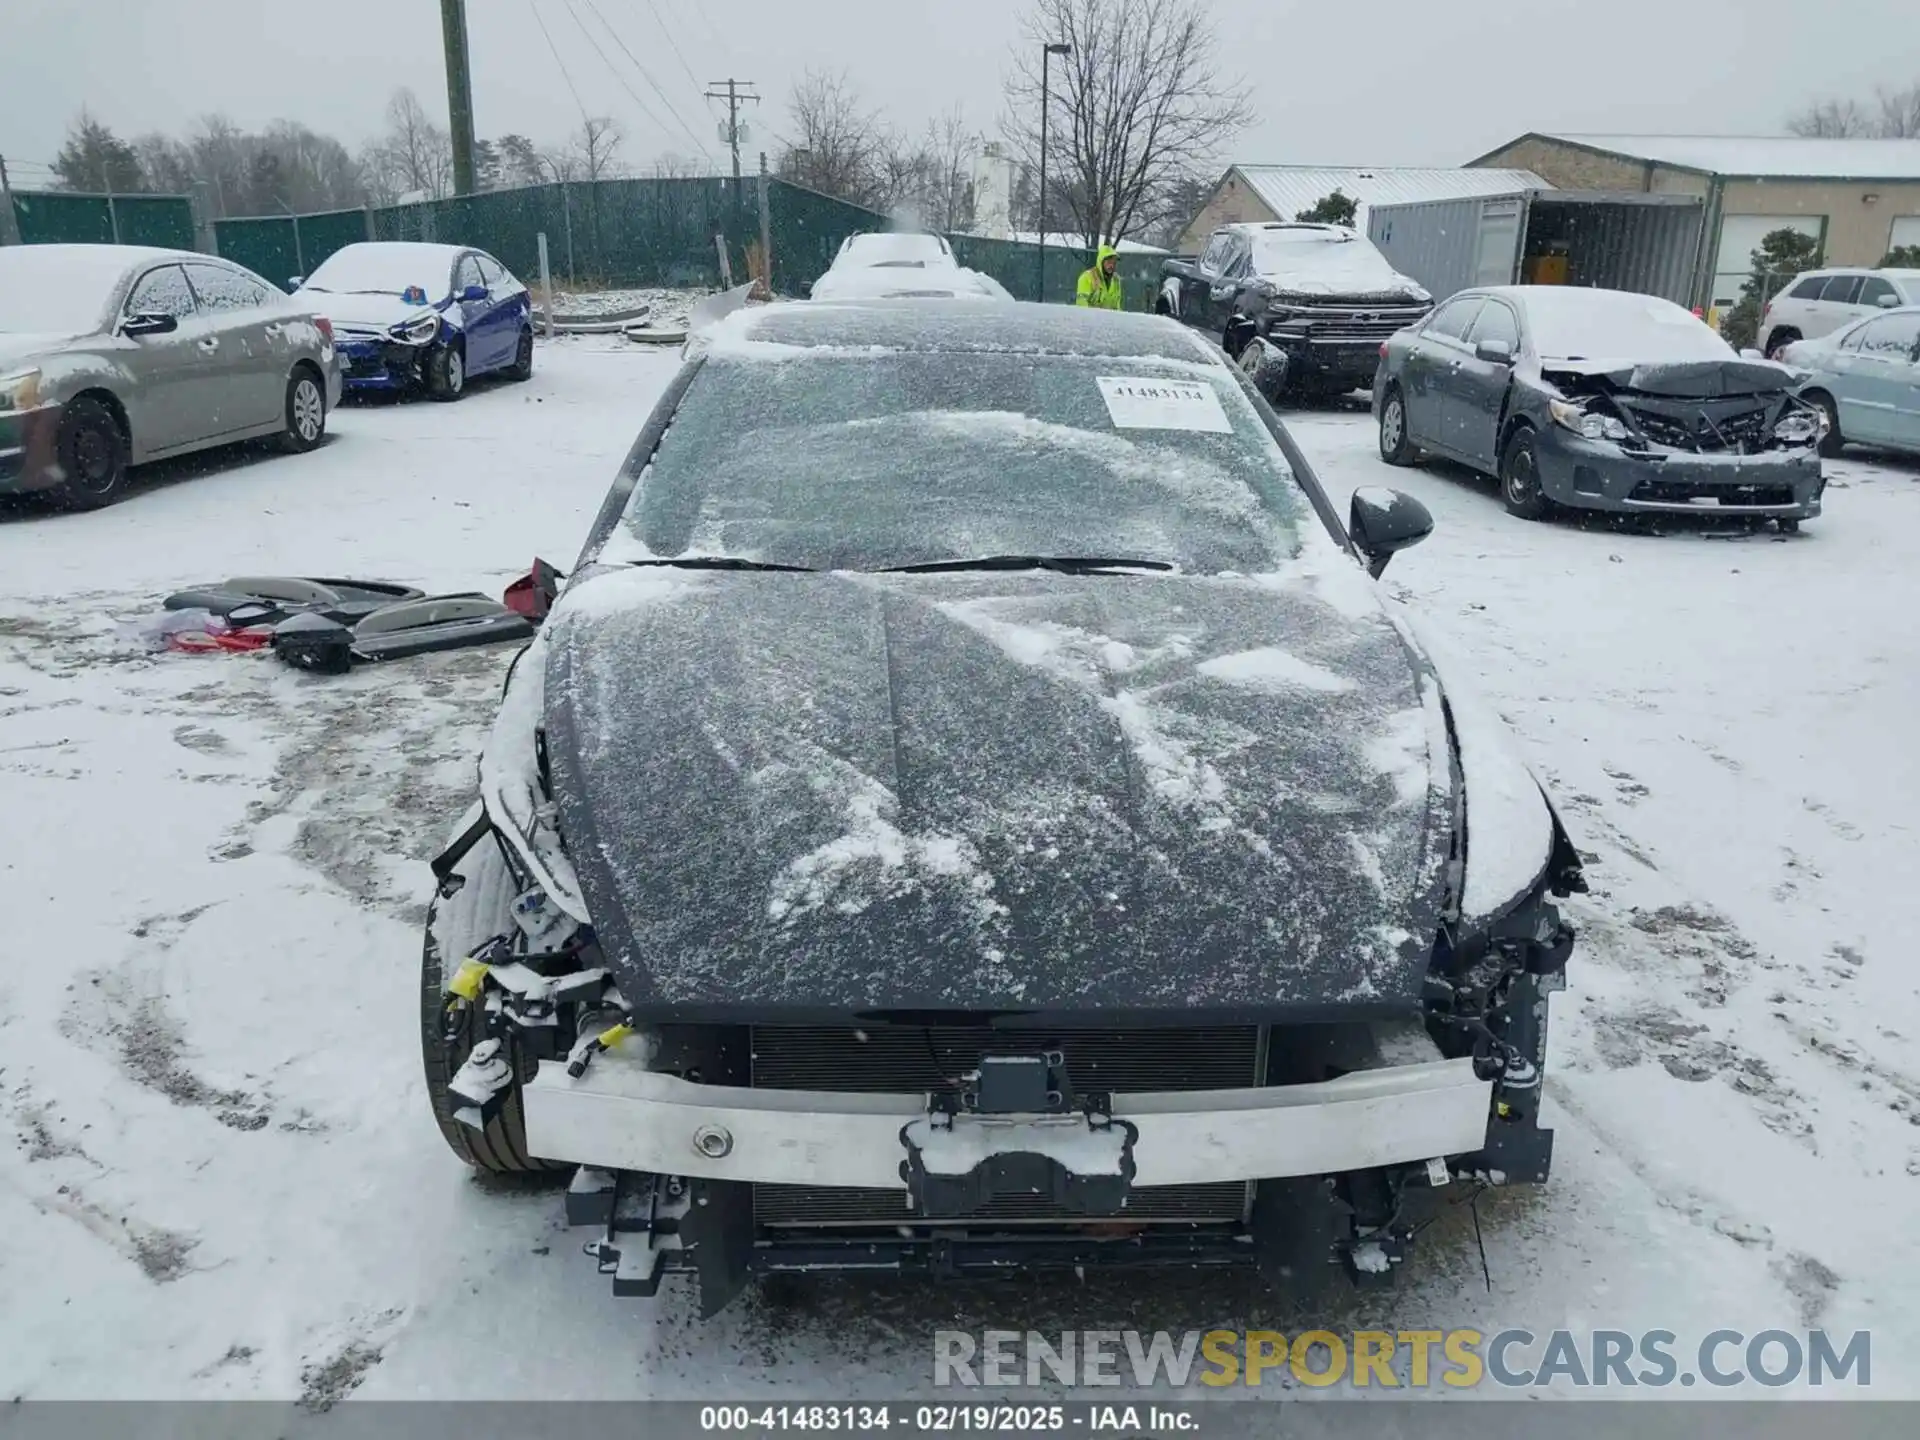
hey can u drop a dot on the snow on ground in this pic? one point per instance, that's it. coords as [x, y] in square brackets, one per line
[224, 1174]
[665, 309]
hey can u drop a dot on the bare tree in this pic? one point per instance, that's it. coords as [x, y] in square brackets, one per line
[839, 147]
[1900, 113]
[1137, 107]
[414, 154]
[1895, 116]
[949, 151]
[595, 148]
[1831, 120]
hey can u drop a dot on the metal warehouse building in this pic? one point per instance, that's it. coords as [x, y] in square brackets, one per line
[1859, 198]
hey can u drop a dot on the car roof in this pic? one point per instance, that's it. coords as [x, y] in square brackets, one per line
[1255, 227]
[1897, 272]
[933, 326]
[420, 249]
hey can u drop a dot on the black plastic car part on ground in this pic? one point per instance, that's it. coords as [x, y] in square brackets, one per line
[995, 866]
[331, 645]
[1599, 400]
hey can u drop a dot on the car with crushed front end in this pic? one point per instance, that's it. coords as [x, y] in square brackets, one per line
[115, 355]
[414, 316]
[1600, 400]
[971, 808]
[1300, 307]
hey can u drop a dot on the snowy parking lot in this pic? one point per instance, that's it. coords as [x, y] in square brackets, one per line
[221, 1169]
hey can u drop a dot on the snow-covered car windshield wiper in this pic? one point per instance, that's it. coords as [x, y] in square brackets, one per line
[717, 562]
[1064, 564]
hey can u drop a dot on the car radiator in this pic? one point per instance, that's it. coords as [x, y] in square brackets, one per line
[903, 1058]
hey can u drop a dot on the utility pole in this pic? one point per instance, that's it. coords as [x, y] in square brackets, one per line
[9, 230]
[453, 29]
[735, 96]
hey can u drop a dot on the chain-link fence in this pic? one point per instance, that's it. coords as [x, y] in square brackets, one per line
[59, 217]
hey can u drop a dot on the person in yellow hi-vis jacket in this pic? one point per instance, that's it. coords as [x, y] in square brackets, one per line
[1100, 286]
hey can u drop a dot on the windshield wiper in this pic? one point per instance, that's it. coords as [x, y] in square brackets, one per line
[1064, 564]
[718, 562]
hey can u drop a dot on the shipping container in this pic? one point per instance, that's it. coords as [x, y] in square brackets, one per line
[1604, 239]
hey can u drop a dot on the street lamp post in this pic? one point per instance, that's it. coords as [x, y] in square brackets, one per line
[1047, 52]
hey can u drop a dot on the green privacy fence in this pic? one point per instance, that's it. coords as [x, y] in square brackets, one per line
[1016, 265]
[280, 247]
[646, 232]
[58, 217]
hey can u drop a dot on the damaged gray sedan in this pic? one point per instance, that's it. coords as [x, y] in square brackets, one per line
[1599, 400]
[971, 809]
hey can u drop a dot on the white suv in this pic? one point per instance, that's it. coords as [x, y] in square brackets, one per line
[1821, 301]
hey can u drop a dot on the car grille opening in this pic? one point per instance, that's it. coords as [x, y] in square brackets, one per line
[911, 1058]
[1744, 432]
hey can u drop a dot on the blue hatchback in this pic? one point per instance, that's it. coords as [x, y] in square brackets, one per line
[417, 316]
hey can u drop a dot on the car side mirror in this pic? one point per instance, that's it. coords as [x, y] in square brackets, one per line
[1887, 302]
[1494, 352]
[1383, 522]
[294, 282]
[806, 289]
[474, 292]
[138, 325]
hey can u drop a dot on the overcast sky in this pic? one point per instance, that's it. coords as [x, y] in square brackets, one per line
[1340, 81]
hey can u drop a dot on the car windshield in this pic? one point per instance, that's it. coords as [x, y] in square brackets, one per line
[867, 463]
[56, 289]
[384, 270]
[1577, 324]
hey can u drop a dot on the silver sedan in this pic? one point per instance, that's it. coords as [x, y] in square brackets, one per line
[113, 355]
[1866, 376]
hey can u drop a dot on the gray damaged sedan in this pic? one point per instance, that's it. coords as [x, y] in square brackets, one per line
[970, 811]
[1599, 400]
[113, 355]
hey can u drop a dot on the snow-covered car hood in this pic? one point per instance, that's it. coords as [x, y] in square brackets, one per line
[1685, 379]
[884, 282]
[375, 312]
[18, 350]
[1351, 267]
[990, 792]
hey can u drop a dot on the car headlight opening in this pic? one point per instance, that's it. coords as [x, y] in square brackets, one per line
[1802, 427]
[20, 390]
[1585, 424]
[419, 331]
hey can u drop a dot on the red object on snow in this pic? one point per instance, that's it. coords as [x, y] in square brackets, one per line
[533, 594]
[204, 642]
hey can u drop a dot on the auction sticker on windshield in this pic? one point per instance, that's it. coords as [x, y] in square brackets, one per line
[1140, 404]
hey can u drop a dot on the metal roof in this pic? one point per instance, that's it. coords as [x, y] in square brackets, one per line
[1289, 189]
[1771, 157]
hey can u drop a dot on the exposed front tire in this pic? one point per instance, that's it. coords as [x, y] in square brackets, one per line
[522, 367]
[306, 412]
[1396, 445]
[1833, 441]
[92, 454]
[1264, 364]
[1520, 477]
[446, 373]
[457, 925]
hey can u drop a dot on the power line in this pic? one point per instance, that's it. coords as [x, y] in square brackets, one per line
[673, 45]
[699, 144]
[612, 69]
[557, 60]
[706, 24]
